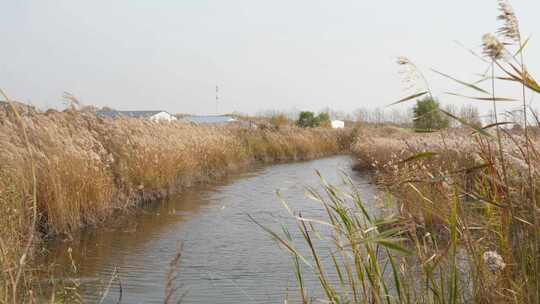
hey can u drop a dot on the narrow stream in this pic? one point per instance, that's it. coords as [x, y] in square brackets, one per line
[226, 258]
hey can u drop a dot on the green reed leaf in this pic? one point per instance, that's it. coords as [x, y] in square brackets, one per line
[469, 85]
[392, 245]
[481, 98]
[462, 121]
[409, 98]
[419, 156]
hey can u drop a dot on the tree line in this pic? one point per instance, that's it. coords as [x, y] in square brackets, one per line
[424, 115]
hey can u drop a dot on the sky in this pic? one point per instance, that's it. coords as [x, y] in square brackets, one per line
[264, 55]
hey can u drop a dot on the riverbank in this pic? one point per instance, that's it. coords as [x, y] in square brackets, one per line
[86, 168]
[475, 192]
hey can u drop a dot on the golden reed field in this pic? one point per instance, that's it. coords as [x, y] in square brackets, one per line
[85, 168]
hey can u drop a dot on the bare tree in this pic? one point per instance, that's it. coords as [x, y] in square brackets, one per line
[452, 109]
[470, 114]
[378, 116]
[361, 115]
[489, 118]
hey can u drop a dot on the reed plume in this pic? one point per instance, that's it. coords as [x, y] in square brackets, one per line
[510, 27]
[492, 47]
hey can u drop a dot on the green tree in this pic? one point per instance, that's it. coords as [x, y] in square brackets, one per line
[470, 114]
[427, 115]
[306, 120]
[323, 120]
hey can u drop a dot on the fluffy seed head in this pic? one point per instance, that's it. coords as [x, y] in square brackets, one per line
[401, 60]
[409, 72]
[510, 28]
[492, 47]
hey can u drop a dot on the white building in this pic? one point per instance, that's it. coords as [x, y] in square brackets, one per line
[162, 116]
[338, 124]
[150, 115]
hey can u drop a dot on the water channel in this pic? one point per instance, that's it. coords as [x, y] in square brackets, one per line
[226, 258]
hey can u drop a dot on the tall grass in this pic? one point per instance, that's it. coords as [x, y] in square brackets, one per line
[79, 169]
[429, 174]
[449, 239]
[466, 201]
[475, 188]
[13, 274]
[369, 259]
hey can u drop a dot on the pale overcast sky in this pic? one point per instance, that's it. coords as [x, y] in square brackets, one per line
[278, 54]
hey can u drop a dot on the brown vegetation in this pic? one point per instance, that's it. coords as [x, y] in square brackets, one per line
[471, 193]
[87, 168]
[434, 175]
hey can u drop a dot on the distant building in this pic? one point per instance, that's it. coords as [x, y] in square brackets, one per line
[209, 119]
[22, 108]
[338, 124]
[150, 115]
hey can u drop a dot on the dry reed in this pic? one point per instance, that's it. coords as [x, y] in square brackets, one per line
[87, 168]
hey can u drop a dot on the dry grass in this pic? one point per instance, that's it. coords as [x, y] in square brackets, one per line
[431, 174]
[463, 230]
[466, 198]
[87, 168]
[477, 192]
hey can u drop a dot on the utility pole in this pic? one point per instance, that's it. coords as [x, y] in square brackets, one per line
[217, 99]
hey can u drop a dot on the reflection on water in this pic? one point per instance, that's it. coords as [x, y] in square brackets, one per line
[226, 258]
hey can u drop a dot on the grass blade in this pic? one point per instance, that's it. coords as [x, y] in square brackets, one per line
[481, 98]
[462, 121]
[419, 156]
[469, 85]
[409, 98]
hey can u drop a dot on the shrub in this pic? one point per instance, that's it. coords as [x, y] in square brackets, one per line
[308, 119]
[279, 120]
[323, 120]
[427, 115]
